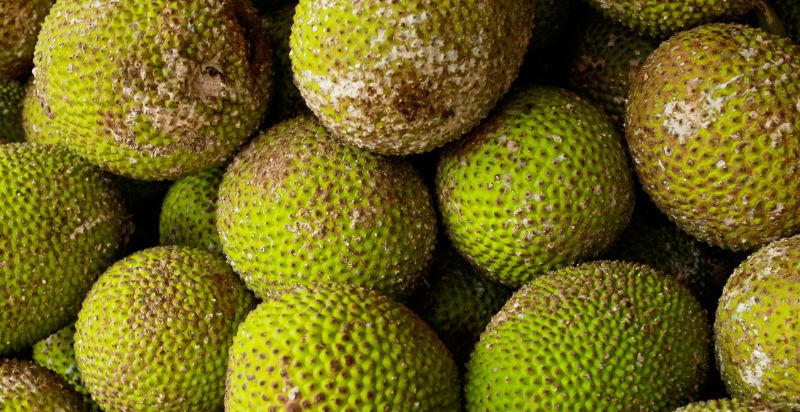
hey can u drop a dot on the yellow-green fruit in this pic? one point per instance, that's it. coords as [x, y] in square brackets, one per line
[189, 212]
[602, 336]
[153, 90]
[407, 76]
[28, 387]
[665, 17]
[605, 61]
[458, 302]
[757, 327]
[20, 21]
[727, 405]
[713, 126]
[338, 348]
[543, 183]
[11, 94]
[35, 122]
[57, 353]
[299, 207]
[61, 225]
[287, 101]
[789, 11]
[160, 323]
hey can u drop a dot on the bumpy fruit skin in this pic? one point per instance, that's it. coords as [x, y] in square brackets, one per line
[189, 212]
[27, 387]
[605, 61]
[727, 405]
[664, 17]
[458, 302]
[153, 90]
[11, 94]
[61, 225]
[406, 77]
[543, 183]
[757, 327]
[160, 323]
[714, 132]
[287, 101]
[335, 348]
[604, 336]
[20, 21]
[789, 11]
[299, 207]
[57, 353]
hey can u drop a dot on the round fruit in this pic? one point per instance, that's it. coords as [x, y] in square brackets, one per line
[152, 90]
[57, 353]
[20, 21]
[407, 76]
[11, 94]
[757, 327]
[543, 183]
[299, 207]
[727, 405]
[664, 17]
[189, 212]
[713, 126]
[160, 323]
[25, 386]
[604, 336]
[336, 348]
[61, 225]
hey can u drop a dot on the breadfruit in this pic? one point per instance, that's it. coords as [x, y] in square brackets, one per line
[338, 347]
[543, 183]
[406, 77]
[458, 302]
[57, 353]
[714, 131]
[605, 59]
[727, 405]
[20, 21]
[160, 322]
[757, 327]
[61, 225]
[299, 207]
[11, 94]
[602, 336]
[189, 212]
[287, 101]
[27, 387]
[154, 90]
[660, 18]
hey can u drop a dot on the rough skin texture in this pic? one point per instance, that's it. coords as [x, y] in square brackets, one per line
[160, 323]
[714, 132]
[757, 327]
[27, 387]
[35, 123]
[11, 94]
[61, 225]
[659, 18]
[189, 212]
[287, 101]
[57, 353]
[153, 90]
[542, 184]
[300, 207]
[605, 61]
[789, 11]
[406, 76]
[603, 336]
[458, 302]
[20, 21]
[727, 405]
[338, 348]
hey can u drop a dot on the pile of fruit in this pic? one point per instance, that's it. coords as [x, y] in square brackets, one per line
[406, 205]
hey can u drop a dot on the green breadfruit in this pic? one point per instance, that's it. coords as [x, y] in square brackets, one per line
[160, 322]
[189, 212]
[407, 76]
[28, 387]
[727, 405]
[153, 90]
[602, 336]
[11, 95]
[757, 327]
[20, 21]
[714, 130]
[544, 183]
[57, 353]
[336, 348]
[61, 225]
[299, 207]
[665, 17]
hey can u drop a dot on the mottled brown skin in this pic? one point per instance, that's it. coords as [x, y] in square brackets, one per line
[27, 387]
[20, 21]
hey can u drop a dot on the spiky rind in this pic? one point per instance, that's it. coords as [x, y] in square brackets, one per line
[189, 212]
[11, 94]
[728, 405]
[20, 22]
[26, 386]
